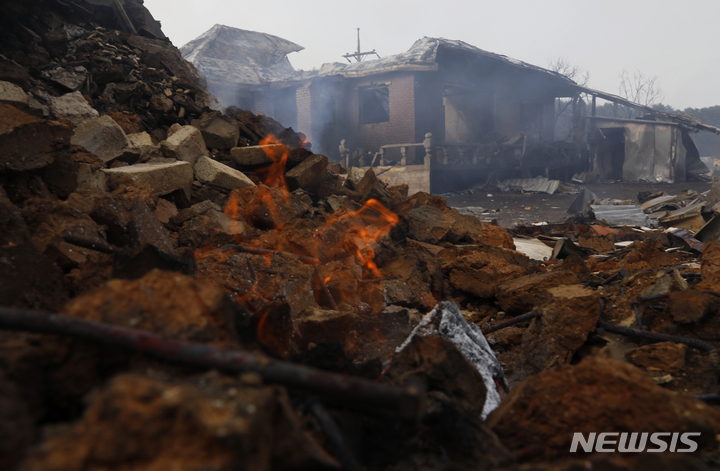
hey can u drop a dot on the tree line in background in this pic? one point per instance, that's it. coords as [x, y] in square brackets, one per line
[638, 88]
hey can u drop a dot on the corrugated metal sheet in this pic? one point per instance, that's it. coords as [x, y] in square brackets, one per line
[536, 185]
[621, 215]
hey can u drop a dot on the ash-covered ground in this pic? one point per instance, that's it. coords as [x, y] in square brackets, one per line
[510, 208]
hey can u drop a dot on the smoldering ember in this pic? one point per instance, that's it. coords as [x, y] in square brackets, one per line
[274, 281]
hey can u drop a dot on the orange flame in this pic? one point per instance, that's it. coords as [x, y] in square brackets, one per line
[274, 174]
[378, 221]
[345, 234]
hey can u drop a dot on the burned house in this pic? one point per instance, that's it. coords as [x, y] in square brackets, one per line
[442, 115]
[238, 64]
[655, 147]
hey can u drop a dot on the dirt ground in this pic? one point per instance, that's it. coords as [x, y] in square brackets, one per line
[512, 208]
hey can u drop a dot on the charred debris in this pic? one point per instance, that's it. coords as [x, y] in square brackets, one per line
[182, 288]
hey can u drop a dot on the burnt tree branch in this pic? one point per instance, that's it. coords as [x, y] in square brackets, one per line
[353, 390]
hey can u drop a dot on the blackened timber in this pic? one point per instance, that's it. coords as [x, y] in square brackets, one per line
[353, 390]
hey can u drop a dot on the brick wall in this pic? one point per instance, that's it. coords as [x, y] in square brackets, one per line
[264, 104]
[401, 127]
[304, 111]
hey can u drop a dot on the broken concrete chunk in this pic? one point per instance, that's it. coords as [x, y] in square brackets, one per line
[254, 156]
[194, 210]
[163, 177]
[160, 103]
[28, 142]
[221, 133]
[354, 176]
[73, 107]
[212, 227]
[71, 78]
[304, 174]
[146, 229]
[143, 142]
[336, 201]
[103, 137]
[209, 170]
[186, 144]
[89, 177]
[13, 95]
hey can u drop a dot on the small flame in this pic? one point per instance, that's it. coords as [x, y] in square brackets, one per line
[377, 220]
[274, 174]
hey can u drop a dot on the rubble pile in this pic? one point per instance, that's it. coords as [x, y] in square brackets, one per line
[184, 288]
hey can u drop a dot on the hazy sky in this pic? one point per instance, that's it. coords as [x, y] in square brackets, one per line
[675, 41]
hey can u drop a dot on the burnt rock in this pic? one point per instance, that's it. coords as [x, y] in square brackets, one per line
[28, 279]
[270, 208]
[28, 142]
[129, 123]
[690, 306]
[211, 227]
[167, 303]
[606, 394]
[412, 280]
[520, 295]
[253, 281]
[467, 229]
[479, 272]
[429, 224]
[16, 424]
[650, 253]
[214, 423]
[665, 357]
[145, 229]
[710, 259]
[306, 172]
[496, 236]
[565, 321]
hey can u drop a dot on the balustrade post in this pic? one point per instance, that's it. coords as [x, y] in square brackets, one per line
[344, 154]
[428, 144]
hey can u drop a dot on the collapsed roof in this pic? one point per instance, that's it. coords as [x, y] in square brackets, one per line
[423, 56]
[226, 54]
[679, 118]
